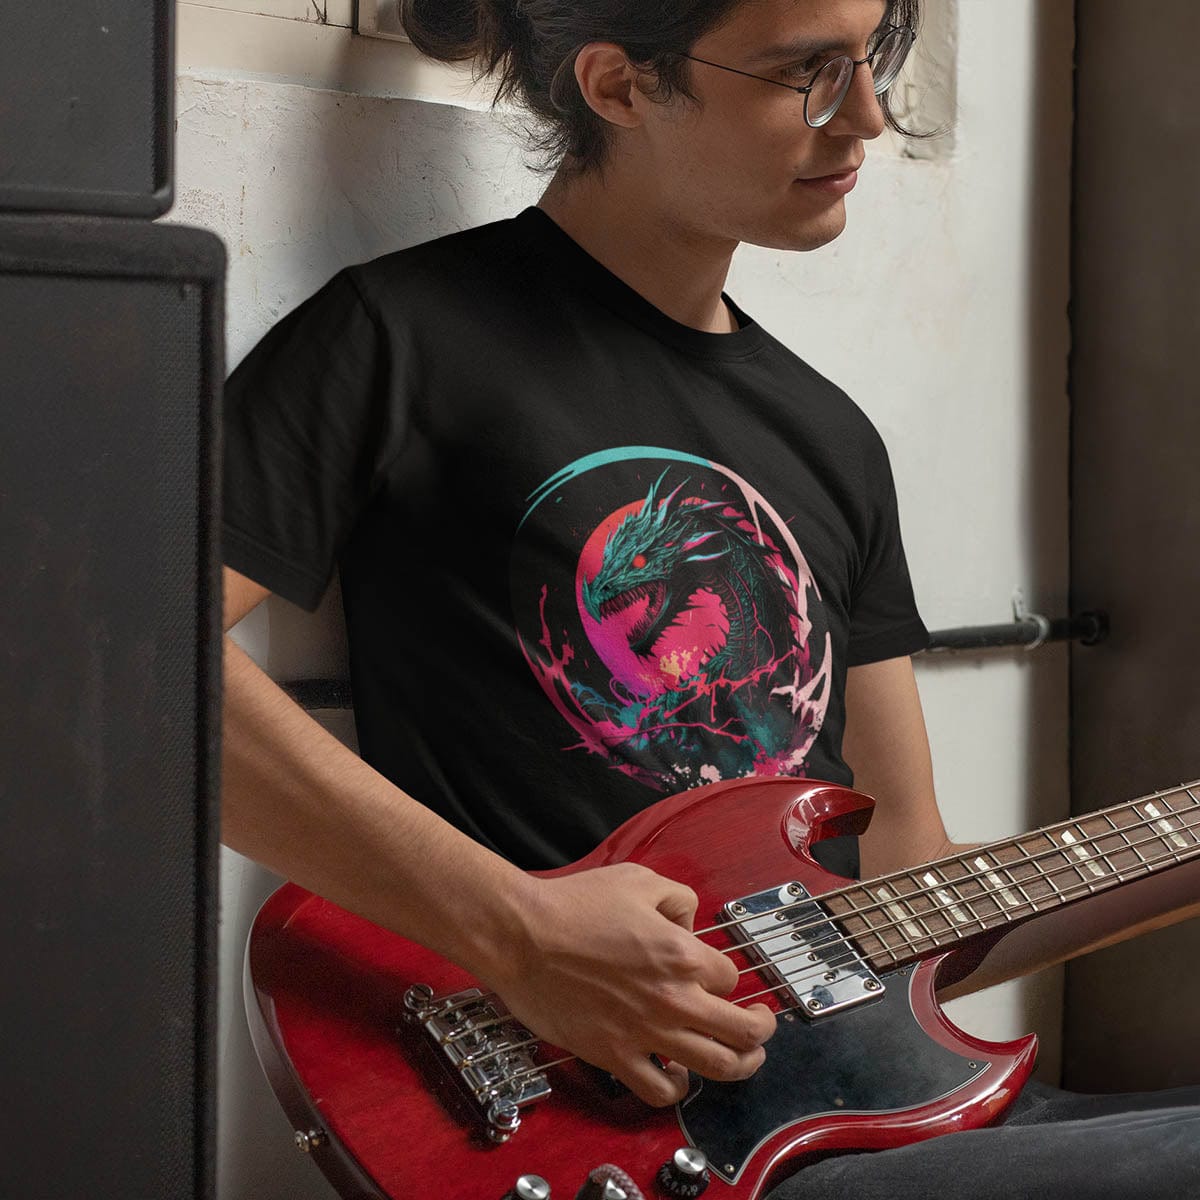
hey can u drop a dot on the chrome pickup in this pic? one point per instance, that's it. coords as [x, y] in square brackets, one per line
[816, 966]
[488, 1050]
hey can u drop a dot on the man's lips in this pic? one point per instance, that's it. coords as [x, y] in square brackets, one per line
[838, 173]
[838, 182]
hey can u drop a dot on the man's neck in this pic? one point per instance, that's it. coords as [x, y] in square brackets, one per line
[682, 275]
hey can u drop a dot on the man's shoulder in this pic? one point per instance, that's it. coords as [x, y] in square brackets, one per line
[827, 397]
[458, 263]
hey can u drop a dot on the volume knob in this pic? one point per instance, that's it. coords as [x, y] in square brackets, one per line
[601, 1189]
[686, 1174]
[530, 1187]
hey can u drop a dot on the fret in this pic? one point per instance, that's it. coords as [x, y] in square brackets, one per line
[1038, 881]
[1089, 868]
[1014, 882]
[1144, 836]
[860, 925]
[878, 922]
[1137, 843]
[1163, 824]
[921, 899]
[1085, 864]
[916, 906]
[1189, 816]
[936, 881]
[1181, 810]
[1180, 802]
[1055, 866]
[1108, 843]
[972, 892]
[901, 913]
[1061, 868]
[1105, 842]
[1126, 846]
[1000, 886]
[1021, 875]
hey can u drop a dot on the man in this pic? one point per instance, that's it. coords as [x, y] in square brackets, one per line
[491, 435]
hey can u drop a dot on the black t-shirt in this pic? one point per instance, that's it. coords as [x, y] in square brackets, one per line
[589, 556]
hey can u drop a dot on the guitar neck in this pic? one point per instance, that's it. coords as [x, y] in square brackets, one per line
[942, 905]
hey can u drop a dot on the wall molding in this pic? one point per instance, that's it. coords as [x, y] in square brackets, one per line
[312, 43]
[273, 40]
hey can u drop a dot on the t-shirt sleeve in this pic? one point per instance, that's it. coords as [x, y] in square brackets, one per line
[306, 422]
[884, 621]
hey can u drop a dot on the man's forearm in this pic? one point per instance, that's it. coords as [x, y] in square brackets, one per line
[301, 803]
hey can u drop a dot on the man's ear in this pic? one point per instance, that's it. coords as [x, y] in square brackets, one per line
[608, 82]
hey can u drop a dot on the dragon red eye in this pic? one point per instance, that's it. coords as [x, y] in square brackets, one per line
[639, 560]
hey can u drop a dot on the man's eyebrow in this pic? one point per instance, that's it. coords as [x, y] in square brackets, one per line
[793, 52]
[804, 48]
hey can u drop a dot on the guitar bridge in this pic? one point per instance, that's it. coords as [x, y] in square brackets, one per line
[816, 967]
[486, 1049]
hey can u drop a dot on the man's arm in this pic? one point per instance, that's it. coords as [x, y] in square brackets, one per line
[887, 747]
[601, 962]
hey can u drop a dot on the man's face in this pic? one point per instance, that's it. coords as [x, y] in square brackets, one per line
[743, 164]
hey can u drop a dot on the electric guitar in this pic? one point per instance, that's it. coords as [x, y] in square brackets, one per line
[405, 1078]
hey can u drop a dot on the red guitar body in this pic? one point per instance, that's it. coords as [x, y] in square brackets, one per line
[326, 999]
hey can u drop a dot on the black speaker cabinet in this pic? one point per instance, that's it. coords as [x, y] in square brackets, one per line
[110, 367]
[87, 106]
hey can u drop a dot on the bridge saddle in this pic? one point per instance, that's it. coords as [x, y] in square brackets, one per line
[486, 1048]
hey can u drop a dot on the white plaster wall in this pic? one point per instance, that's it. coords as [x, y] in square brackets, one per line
[942, 310]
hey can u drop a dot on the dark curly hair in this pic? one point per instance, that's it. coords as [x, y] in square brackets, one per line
[531, 46]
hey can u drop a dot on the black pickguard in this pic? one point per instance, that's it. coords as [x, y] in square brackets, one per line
[871, 1058]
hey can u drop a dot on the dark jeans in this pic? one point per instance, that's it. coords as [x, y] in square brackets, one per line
[1053, 1145]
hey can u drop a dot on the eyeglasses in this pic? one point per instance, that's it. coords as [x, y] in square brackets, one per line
[830, 85]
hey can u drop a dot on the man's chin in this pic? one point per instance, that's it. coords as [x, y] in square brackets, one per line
[810, 234]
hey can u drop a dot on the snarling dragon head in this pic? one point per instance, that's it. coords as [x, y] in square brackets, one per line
[643, 555]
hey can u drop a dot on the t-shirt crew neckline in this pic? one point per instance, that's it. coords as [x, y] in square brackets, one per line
[567, 258]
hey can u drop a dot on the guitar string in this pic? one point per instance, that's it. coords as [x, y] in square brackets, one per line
[797, 979]
[1009, 914]
[1078, 891]
[1014, 883]
[832, 939]
[741, 1001]
[471, 1060]
[1065, 867]
[1090, 839]
[821, 942]
[541, 1068]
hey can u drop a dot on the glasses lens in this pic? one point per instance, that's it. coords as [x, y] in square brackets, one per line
[829, 88]
[889, 58]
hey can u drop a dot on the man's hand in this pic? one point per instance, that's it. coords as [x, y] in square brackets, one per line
[605, 966]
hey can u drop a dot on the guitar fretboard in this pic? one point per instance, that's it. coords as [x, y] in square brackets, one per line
[912, 915]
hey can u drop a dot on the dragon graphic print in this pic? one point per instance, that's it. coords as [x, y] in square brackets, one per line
[688, 644]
